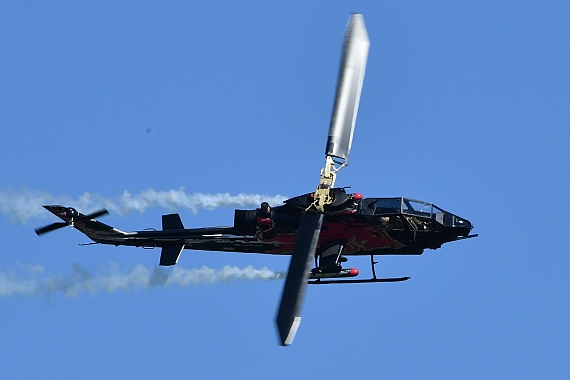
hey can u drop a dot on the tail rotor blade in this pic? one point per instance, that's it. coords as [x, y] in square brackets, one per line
[349, 87]
[94, 215]
[289, 314]
[51, 227]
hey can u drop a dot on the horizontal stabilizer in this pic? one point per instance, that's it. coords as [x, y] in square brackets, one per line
[171, 222]
[170, 254]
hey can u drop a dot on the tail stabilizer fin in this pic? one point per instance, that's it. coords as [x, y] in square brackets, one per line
[170, 254]
[172, 222]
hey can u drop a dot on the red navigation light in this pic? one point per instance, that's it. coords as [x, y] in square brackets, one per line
[353, 272]
[357, 196]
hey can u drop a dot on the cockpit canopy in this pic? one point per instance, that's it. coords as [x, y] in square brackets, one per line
[407, 206]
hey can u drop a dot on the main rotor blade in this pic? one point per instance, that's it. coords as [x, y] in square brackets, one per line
[349, 87]
[289, 314]
[51, 227]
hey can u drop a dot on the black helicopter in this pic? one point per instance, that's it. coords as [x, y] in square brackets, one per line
[326, 225]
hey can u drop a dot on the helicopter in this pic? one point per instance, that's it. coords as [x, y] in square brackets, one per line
[319, 230]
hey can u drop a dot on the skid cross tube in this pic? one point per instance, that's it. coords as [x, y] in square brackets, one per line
[373, 263]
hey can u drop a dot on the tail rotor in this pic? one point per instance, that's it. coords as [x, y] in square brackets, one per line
[69, 215]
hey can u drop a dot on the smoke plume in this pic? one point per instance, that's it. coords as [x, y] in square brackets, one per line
[33, 281]
[21, 205]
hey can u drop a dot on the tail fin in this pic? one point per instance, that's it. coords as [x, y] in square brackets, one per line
[171, 253]
[172, 222]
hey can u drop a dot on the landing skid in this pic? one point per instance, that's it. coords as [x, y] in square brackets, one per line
[346, 281]
[356, 281]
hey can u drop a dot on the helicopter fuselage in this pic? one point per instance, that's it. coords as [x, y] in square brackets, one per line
[364, 226]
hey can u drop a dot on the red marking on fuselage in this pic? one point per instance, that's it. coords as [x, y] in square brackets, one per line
[359, 237]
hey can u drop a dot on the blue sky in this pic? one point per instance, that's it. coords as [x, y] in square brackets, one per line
[465, 104]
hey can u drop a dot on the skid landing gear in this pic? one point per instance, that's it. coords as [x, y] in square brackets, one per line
[320, 281]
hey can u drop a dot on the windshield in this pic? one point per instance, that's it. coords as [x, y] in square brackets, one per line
[386, 206]
[407, 206]
[411, 206]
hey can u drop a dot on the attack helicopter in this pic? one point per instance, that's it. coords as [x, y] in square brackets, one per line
[320, 230]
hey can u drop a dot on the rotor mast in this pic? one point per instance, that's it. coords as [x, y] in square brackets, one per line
[323, 193]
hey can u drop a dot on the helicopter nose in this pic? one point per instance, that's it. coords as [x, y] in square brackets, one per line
[464, 225]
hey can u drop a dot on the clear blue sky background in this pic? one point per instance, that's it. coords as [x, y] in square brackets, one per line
[465, 104]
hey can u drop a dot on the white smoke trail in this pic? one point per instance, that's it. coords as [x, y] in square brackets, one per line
[21, 205]
[33, 281]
